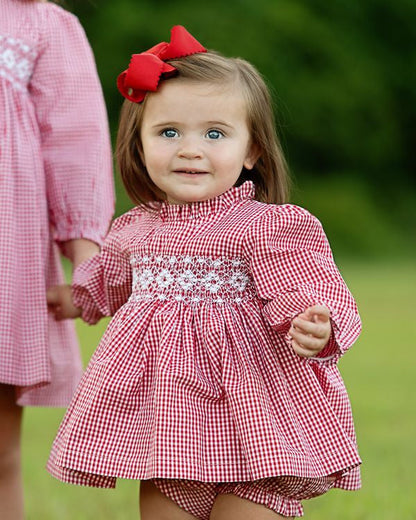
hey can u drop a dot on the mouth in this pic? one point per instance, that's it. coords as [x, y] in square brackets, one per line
[190, 171]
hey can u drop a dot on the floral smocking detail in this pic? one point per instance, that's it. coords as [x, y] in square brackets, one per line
[191, 279]
[16, 61]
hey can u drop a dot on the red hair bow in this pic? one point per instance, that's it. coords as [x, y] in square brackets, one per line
[147, 68]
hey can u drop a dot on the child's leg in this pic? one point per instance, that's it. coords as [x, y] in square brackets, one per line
[231, 507]
[11, 487]
[154, 505]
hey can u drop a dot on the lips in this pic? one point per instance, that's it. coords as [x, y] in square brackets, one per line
[190, 171]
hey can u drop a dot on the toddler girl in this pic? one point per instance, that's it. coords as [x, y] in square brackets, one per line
[216, 382]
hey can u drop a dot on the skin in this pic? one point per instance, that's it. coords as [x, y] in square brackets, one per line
[11, 488]
[79, 250]
[310, 331]
[195, 142]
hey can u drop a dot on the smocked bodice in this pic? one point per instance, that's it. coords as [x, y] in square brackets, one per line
[17, 60]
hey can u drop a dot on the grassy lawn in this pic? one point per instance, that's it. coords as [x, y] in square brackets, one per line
[379, 373]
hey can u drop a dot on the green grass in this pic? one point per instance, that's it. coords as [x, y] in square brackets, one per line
[379, 373]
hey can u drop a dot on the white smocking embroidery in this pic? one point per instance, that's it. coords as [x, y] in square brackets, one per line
[16, 61]
[190, 279]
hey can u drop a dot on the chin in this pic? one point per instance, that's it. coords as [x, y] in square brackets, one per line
[189, 198]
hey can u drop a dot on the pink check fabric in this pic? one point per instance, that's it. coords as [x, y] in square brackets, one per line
[55, 185]
[194, 378]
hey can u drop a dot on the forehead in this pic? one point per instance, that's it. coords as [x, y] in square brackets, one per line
[177, 97]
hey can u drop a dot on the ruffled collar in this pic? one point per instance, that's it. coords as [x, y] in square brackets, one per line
[195, 210]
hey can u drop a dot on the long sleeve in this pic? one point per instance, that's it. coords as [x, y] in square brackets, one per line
[102, 284]
[293, 268]
[72, 118]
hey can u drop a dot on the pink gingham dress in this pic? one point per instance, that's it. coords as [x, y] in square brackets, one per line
[195, 378]
[55, 184]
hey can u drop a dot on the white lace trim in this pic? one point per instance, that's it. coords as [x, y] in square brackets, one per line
[16, 61]
[191, 279]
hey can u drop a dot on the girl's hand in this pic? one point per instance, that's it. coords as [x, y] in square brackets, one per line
[60, 302]
[310, 331]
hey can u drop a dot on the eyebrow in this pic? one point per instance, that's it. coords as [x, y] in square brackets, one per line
[176, 123]
[222, 123]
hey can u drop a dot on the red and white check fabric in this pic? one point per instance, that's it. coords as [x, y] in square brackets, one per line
[194, 378]
[55, 184]
[282, 494]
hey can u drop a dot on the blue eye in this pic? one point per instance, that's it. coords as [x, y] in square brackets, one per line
[169, 133]
[214, 134]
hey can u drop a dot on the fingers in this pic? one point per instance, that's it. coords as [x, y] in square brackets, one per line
[59, 299]
[57, 311]
[53, 299]
[55, 308]
[306, 346]
[310, 331]
[52, 296]
[316, 313]
[308, 328]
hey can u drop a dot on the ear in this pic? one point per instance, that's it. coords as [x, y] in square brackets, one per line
[252, 156]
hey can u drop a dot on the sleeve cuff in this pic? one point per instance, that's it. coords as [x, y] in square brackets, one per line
[64, 230]
[81, 295]
[346, 325]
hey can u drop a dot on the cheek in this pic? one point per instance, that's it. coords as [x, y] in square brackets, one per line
[234, 161]
[154, 159]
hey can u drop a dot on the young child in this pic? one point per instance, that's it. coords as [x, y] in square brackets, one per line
[216, 382]
[56, 189]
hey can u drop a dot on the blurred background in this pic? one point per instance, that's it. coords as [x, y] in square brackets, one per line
[343, 78]
[342, 75]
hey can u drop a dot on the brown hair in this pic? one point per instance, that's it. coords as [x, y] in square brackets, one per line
[269, 174]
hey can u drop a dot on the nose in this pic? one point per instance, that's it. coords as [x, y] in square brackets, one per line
[190, 148]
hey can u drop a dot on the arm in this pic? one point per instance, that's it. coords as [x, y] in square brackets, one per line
[72, 119]
[294, 271]
[102, 283]
[78, 250]
[59, 298]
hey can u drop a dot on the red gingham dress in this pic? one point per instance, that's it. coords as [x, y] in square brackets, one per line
[55, 184]
[195, 378]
